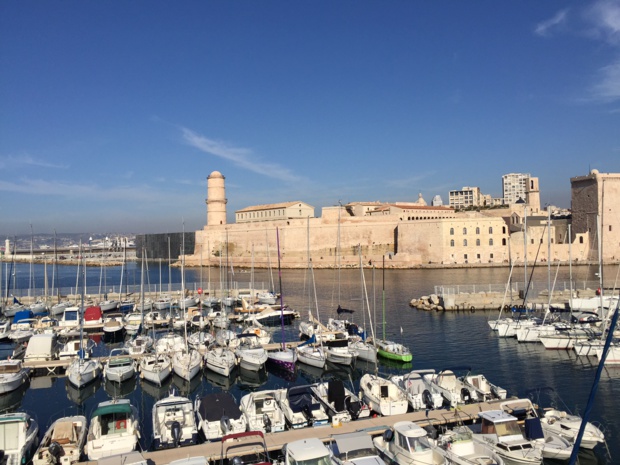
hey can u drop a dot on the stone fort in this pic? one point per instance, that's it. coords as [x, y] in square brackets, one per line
[413, 234]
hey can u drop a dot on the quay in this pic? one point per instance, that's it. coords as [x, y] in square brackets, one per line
[374, 426]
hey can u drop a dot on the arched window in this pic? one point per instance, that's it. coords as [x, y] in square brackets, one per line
[490, 229]
[464, 231]
[490, 241]
[452, 243]
[465, 242]
[503, 241]
[581, 239]
[477, 230]
[452, 231]
[477, 242]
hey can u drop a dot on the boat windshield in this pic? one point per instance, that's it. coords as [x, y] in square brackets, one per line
[325, 460]
[419, 444]
[508, 428]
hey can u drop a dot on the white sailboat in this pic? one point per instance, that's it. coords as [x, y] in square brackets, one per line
[383, 395]
[83, 371]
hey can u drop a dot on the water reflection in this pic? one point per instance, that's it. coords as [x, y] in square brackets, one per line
[12, 401]
[154, 391]
[79, 396]
[221, 381]
[250, 379]
[124, 389]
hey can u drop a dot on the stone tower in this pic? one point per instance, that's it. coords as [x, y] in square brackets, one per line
[533, 195]
[216, 199]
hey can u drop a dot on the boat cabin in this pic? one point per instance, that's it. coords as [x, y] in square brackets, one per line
[310, 451]
[502, 424]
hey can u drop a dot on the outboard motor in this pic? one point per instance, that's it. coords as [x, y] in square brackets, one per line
[354, 407]
[267, 423]
[307, 414]
[225, 424]
[175, 430]
[427, 399]
[466, 395]
[55, 451]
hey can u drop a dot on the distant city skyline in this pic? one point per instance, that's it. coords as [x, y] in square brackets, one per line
[114, 114]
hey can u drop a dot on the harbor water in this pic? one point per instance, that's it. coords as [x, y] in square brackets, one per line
[437, 340]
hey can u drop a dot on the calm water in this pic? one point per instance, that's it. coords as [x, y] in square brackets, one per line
[437, 340]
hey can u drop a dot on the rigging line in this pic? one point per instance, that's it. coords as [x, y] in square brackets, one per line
[529, 282]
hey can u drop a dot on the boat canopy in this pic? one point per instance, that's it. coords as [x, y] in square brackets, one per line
[112, 408]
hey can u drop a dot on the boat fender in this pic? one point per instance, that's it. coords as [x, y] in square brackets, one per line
[388, 435]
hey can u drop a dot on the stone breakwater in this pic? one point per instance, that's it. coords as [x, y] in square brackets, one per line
[493, 301]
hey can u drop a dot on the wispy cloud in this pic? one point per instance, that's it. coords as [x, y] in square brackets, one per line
[604, 20]
[607, 89]
[241, 157]
[137, 193]
[27, 160]
[545, 28]
[599, 21]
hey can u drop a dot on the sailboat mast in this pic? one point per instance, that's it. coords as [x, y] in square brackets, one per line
[281, 292]
[383, 297]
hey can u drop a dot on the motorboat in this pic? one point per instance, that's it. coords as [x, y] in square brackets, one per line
[262, 412]
[300, 407]
[306, 451]
[551, 444]
[383, 396]
[272, 317]
[174, 423]
[155, 368]
[13, 375]
[114, 429]
[250, 445]
[63, 442]
[139, 344]
[133, 322]
[93, 317]
[338, 352]
[113, 324]
[267, 298]
[567, 425]
[500, 431]
[71, 346]
[251, 354]
[221, 360]
[341, 404]
[393, 350]
[263, 337]
[453, 390]
[355, 448]
[419, 394]
[42, 347]
[120, 366]
[18, 437]
[459, 448]
[484, 389]
[407, 443]
[218, 414]
[156, 318]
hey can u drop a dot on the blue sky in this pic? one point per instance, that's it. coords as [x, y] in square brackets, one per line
[113, 113]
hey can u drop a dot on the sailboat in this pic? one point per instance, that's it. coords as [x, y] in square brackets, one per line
[309, 352]
[83, 371]
[187, 362]
[365, 350]
[390, 349]
[286, 357]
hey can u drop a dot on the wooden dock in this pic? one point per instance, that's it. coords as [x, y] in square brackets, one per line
[373, 426]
